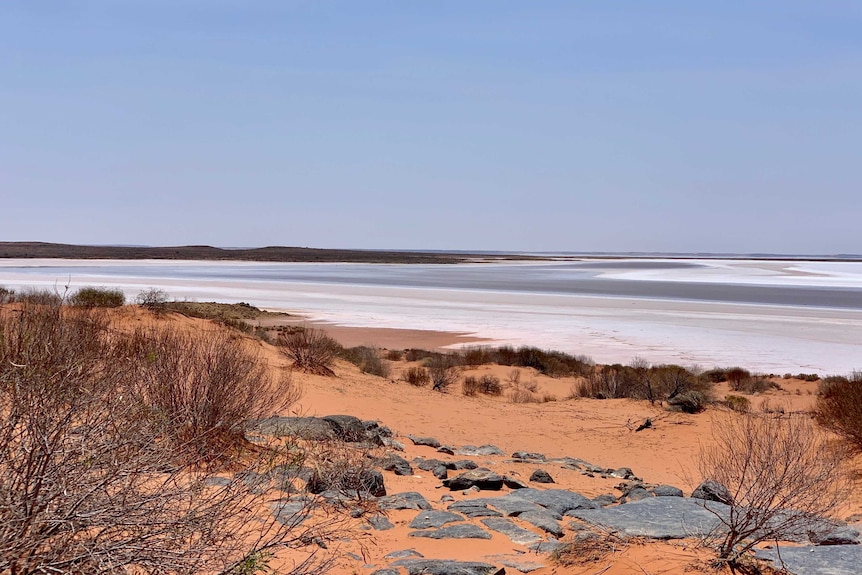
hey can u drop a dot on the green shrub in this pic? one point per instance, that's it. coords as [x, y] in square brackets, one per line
[367, 359]
[90, 297]
[737, 403]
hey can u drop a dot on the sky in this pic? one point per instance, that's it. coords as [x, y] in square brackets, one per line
[673, 126]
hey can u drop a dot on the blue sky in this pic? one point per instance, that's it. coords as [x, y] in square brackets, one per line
[542, 125]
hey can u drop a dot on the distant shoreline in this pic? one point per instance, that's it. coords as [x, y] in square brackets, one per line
[286, 254]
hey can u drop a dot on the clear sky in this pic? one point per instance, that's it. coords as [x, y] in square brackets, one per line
[463, 124]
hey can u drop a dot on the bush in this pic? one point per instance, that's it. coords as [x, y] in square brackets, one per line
[521, 395]
[755, 385]
[394, 355]
[417, 376]
[6, 295]
[737, 403]
[688, 401]
[715, 375]
[90, 297]
[641, 381]
[367, 359]
[736, 377]
[418, 354]
[39, 297]
[443, 372]
[311, 350]
[781, 475]
[152, 299]
[470, 387]
[839, 407]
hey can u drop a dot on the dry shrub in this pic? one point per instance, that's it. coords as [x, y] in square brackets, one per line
[782, 476]
[443, 370]
[394, 355]
[87, 485]
[203, 391]
[839, 407]
[470, 387]
[737, 403]
[490, 385]
[639, 380]
[521, 395]
[586, 548]
[367, 359]
[153, 299]
[311, 350]
[7, 295]
[417, 376]
[345, 468]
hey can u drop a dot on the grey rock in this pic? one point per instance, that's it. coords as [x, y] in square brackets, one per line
[557, 500]
[541, 476]
[427, 441]
[513, 483]
[517, 562]
[406, 500]
[622, 473]
[528, 456]
[347, 427]
[829, 560]
[511, 504]
[464, 531]
[403, 554]
[217, 481]
[666, 491]
[396, 464]
[604, 500]
[841, 535]
[431, 518]
[447, 567]
[386, 571]
[508, 528]
[545, 546]
[393, 444]
[544, 521]
[440, 472]
[657, 517]
[473, 508]
[712, 491]
[481, 478]
[354, 556]
[380, 522]
[446, 449]
[472, 450]
[427, 464]
[471, 491]
[637, 493]
[357, 513]
[291, 512]
[447, 499]
[367, 480]
[461, 464]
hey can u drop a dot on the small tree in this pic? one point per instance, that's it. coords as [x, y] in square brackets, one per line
[310, 349]
[782, 477]
[153, 299]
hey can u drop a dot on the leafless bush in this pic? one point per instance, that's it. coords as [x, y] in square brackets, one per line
[782, 477]
[204, 390]
[153, 299]
[839, 407]
[417, 376]
[470, 387]
[521, 395]
[443, 371]
[311, 350]
[88, 486]
[394, 355]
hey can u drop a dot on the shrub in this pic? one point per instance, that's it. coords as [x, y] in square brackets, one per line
[688, 401]
[809, 377]
[7, 295]
[470, 387]
[311, 350]
[755, 385]
[39, 297]
[490, 385]
[736, 377]
[367, 359]
[394, 355]
[418, 354]
[417, 376]
[641, 381]
[737, 403]
[781, 475]
[443, 371]
[715, 375]
[839, 407]
[152, 299]
[521, 395]
[90, 297]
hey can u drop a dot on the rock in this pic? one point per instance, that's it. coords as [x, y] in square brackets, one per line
[545, 546]
[604, 500]
[559, 501]
[541, 476]
[473, 508]
[309, 428]
[482, 478]
[391, 443]
[528, 456]
[623, 473]
[508, 528]
[380, 522]
[386, 571]
[446, 449]
[472, 450]
[371, 480]
[657, 517]
[404, 553]
[464, 531]
[712, 491]
[637, 493]
[347, 427]
[447, 499]
[841, 535]
[471, 491]
[291, 512]
[427, 464]
[544, 521]
[829, 560]
[440, 472]
[517, 562]
[427, 441]
[396, 464]
[406, 500]
[431, 518]
[217, 481]
[461, 464]
[447, 567]
[513, 483]
[511, 504]
[666, 491]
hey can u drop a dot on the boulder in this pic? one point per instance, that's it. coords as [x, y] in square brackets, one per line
[508, 528]
[541, 476]
[347, 427]
[406, 500]
[447, 567]
[396, 464]
[482, 478]
[712, 491]
[432, 518]
[426, 441]
[464, 531]
[666, 491]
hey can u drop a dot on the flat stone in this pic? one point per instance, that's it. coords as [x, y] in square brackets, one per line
[517, 562]
[380, 522]
[386, 571]
[461, 464]
[432, 518]
[482, 478]
[622, 473]
[396, 464]
[473, 508]
[291, 512]
[447, 567]
[403, 554]
[828, 560]
[557, 500]
[637, 493]
[406, 500]
[508, 528]
[712, 491]
[544, 521]
[347, 427]
[545, 546]
[472, 450]
[526, 455]
[666, 491]
[841, 535]
[511, 504]
[513, 483]
[656, 517]
[309, 428]
[604, 500]
[427, 441]
[446, 449]
[464, 531]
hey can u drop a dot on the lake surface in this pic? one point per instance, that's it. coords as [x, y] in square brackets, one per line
[773, 316]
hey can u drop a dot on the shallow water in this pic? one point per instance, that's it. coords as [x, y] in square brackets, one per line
[766, 315]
